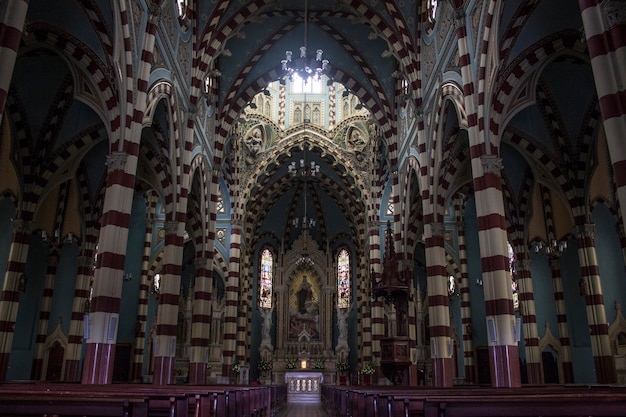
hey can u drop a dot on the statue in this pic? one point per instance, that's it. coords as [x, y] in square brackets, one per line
[254, 145]
[342, 324]
[266, 313]
[304, 315]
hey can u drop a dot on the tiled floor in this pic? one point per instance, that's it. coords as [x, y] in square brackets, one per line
[303, 410]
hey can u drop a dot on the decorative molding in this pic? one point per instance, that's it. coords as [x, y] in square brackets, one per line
[116, 161]
[491, 164]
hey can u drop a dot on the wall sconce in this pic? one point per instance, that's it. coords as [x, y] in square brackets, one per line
[70, 237]
[303, 364]
[128, 276]
[479, 282]
[44, 235]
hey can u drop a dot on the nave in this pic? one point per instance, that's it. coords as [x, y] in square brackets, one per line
[303, 410]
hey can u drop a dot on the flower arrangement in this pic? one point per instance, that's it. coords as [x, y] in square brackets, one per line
[291, 363]
[368, 369]
[265, 365]
[319, 363]
[236, 368]
[343, 366]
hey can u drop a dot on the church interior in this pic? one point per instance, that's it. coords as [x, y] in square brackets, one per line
[385, 193]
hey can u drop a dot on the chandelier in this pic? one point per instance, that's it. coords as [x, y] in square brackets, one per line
[303, 171]
[304, 66]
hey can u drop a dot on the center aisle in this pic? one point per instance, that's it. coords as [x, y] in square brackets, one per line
[303, 410]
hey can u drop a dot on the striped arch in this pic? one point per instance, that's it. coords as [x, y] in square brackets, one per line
[411, 231]
[81, 57]
[527, 65]
[517, 22]
[171, 186]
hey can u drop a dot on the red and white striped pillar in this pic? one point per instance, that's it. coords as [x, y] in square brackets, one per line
[44, 315]
[10, 297]
[11, 28]
[561, 316]
[108, 276]
[441, 348]
[164, 346]
[604, 22]
[596, 315]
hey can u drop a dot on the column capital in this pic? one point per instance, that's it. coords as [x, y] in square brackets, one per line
[492, 164]
[437, 229]
[615, 12]
[170, 227]
[585, 230]
[116, 161]
[24, 226]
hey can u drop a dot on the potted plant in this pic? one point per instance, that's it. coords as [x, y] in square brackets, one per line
[291, 364]
[367, 371]
[342, 367]
[264, 366]
[319, 363]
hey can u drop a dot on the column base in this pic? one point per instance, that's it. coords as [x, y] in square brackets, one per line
[534, 373]
[163, 370]
[71, 371]
[443, 372]
[98, 363]
[197, 373]
[504, 366]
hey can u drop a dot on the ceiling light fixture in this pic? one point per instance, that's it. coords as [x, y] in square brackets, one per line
[304, 66]
[303, 171]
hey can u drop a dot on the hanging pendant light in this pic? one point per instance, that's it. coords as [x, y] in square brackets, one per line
[304, 66]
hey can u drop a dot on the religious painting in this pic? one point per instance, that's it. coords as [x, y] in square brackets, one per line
[304, 293]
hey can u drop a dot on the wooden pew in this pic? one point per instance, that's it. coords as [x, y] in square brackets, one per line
[29, 404]
[133, 399]
[389, 401]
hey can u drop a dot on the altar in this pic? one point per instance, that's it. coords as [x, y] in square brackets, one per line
[303, 387]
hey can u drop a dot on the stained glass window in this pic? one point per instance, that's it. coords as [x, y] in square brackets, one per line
[343, 279]
[265, 287]
[432, 9]
[182, 7]
[451, 285]
[513, 277]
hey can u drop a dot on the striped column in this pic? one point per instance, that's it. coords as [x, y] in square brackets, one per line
[500, 316]
[108, 276]
[245, 303]
[80, 307]
[438, 311]
[200, 323]
[11, 28]
[604, 22]
[44, 315]
[10, 298]
[332, 107]
[169, 295]
[464, 291]
[561, 317]
[622, 240]
[596, 315]
[534, 367]
[232, 302]
[282, 102]
[363, 296]
[377, 304]
[144, 292]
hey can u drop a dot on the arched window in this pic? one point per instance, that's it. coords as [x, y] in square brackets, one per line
[513, 276]
[343, 279]
[432, 10]
[265, 281]
[451, 285]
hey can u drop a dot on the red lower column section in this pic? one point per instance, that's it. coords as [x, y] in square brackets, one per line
[197, 373]
[163, 370]
[504, 364]
[98, 363]
[71, 371]
[35, 373]
[534, 372]
[605, 370]
[443, 372]
[568, 373]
